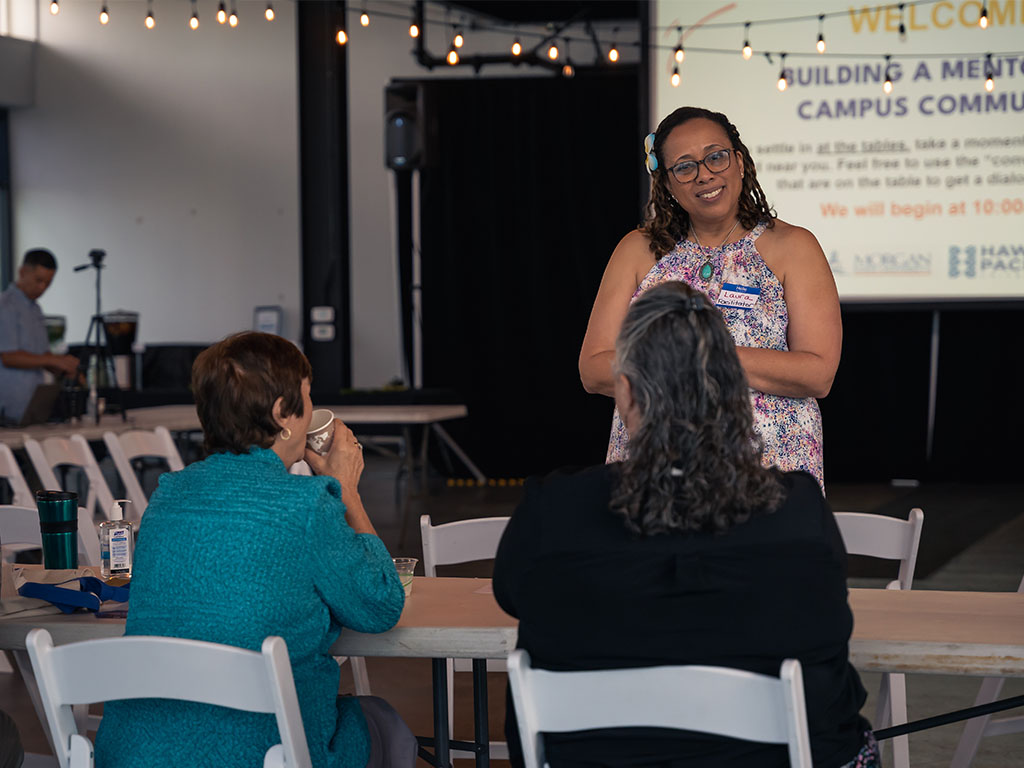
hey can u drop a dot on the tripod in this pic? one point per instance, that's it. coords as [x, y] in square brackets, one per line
[96, 346]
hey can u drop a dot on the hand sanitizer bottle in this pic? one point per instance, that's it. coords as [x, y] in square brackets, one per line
[117, 543]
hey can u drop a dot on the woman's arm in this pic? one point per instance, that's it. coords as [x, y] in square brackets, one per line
[630, 262]
[815, 333]
[344, 463]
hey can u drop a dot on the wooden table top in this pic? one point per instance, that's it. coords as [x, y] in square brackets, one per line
[959, 633]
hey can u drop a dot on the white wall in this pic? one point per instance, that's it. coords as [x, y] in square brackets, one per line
[177, 153]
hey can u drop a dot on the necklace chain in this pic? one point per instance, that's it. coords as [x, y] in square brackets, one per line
[694, 232]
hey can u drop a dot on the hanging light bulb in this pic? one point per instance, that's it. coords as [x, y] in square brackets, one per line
[364, 18]
[983, 18]
[613, 54]
[990, 82]
[517, 47]
[680, 54]
[414, 30]
[222, 14]
[553, 52]
[150, 20]
[783, 83]
[269, 13]
[54, 8]
[887, 85]
[821, 34]
[104, 16]
[747, 50]
[675, 76]
[233, 17]
[342, 36]
[458, 41]
[568, 71]
[453, 56]
[193, 21]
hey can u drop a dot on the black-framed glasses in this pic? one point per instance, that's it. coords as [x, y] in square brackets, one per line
[716, 162]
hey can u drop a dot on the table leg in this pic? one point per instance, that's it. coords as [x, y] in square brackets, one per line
[441, 751]
[480, 720]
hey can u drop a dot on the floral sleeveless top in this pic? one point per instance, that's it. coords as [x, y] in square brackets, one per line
[790, 427]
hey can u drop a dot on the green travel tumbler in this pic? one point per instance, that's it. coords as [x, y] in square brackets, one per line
[58, 524]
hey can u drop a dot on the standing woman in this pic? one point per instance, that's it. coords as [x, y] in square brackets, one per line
[708, 224]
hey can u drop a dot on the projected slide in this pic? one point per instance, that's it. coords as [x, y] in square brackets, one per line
[915, 193]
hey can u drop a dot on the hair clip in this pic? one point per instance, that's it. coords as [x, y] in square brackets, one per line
[696, 303]
[675, 471]
[652, 160]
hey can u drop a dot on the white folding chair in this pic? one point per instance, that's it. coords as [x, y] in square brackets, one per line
[888, 538]
[54, 452]
[135, 444]
[165, 668]
[462, 542]
[11, 472]
[716, 700]
[19, 527]
[978, 727]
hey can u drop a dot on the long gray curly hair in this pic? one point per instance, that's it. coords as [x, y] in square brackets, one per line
[694, 460]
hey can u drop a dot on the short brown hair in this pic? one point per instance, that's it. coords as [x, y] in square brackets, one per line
[237, 381]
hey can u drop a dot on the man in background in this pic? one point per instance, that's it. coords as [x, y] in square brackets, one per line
[24, 345]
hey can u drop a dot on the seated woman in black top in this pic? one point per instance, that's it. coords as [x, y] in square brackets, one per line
[687, 552]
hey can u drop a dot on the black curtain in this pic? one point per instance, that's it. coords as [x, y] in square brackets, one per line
[534, 183]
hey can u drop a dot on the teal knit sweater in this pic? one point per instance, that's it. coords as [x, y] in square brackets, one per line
[233, 549]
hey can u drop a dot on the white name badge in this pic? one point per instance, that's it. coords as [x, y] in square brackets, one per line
[738, 296]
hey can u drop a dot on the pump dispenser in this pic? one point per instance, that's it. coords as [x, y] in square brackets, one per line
[117, 543]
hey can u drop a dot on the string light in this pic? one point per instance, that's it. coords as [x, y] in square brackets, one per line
[675, 76]
[553, 52]
[517, 47]
[680, 54]
[269, 13]
[233, 18]
[150, 21]
[364, 18]
[821, 34]
[193, 21]
[568, 70]
[613, 52]
[887, 85]
[342, 36]
[104, 16]
[414, 30]
[902, 27]
[990, 82]
[453, 56]
[458, 41]
[54, 8]
[747, 50]
[983, 18]
[222, 14]
[783, 83]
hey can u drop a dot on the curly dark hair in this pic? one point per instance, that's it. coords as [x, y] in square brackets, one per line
[665, 222]
[237, 381]
[694, 460]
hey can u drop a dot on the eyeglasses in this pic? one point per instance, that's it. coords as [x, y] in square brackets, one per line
[716, 162]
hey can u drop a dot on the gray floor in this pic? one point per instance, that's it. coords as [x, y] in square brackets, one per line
[994, 563]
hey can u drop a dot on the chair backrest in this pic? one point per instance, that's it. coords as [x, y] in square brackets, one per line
[715, 700]
[884, 537]
[11, 472]
[138, 443]
[460, 542]
[19, 526]
[166, 668]
[53, 452]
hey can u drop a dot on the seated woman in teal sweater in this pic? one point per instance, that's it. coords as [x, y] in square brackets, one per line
[234, 548]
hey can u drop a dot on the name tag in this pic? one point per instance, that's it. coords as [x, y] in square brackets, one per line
[738, 296]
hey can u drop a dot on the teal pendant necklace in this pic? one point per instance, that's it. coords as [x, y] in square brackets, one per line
[706, 269]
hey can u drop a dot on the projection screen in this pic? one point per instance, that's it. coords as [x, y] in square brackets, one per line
[914, 195]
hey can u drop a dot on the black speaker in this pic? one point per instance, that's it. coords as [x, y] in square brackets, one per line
[406, 126]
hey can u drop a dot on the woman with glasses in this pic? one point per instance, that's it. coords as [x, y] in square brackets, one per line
[708, 224]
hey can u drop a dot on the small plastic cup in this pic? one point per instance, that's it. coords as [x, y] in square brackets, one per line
[320, 434]
[405, 566]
